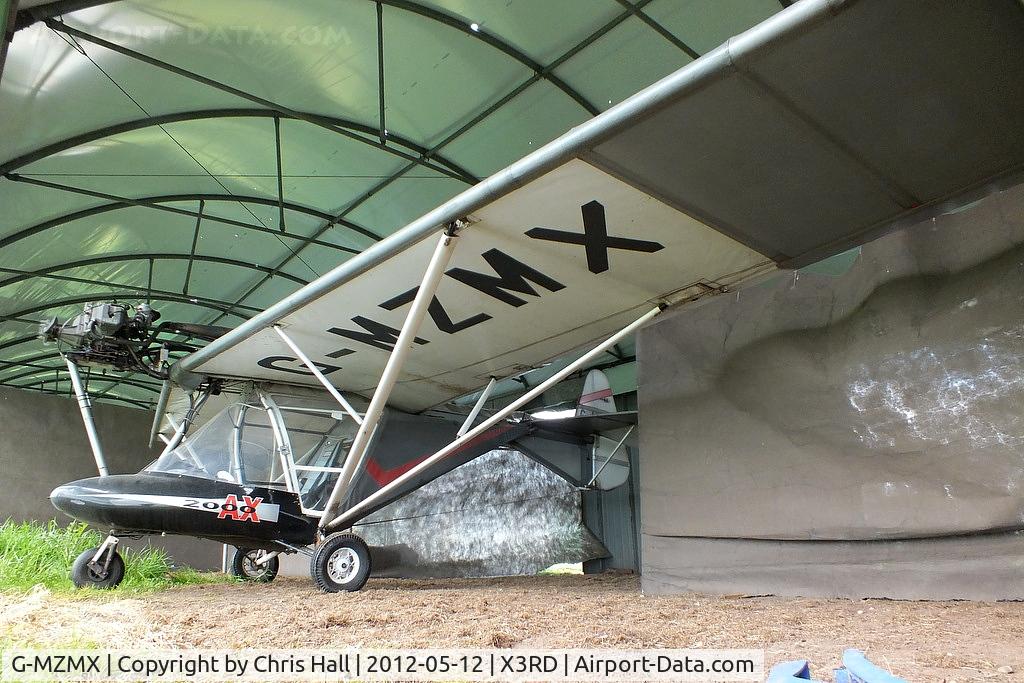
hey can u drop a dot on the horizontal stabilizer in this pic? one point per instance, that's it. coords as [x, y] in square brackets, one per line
[586, 425]
[591, 451]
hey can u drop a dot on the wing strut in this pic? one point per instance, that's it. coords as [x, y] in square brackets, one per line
[319, 375]
[354, 513]
[610, 456]
[424, 295]
[85, 405]
[161, 407]
[471, 418]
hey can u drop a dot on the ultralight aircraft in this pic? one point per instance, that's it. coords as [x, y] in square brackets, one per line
[807, 135]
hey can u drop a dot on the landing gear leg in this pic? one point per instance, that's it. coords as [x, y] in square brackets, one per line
[100, 567]
[257, 566]
[341, 563]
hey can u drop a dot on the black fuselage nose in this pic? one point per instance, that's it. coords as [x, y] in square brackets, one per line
[77, 498]
[158, 503]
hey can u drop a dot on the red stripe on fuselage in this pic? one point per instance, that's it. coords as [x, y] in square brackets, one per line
[384, 477]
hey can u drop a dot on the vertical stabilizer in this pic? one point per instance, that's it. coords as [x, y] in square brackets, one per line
[597, 395]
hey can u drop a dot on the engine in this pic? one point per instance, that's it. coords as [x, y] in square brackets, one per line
[124, 337]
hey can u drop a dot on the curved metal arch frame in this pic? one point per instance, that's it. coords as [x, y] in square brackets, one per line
[467, 126]
[155, 203]
[494, 41]
[155, 256]
[119, 295]
[8, 364]
[59, 369]
[221, 113]
[61, 6]
[104, 397]
[280, 109]
[33, 363]
[50, 10]
[40, 382]
[216, 197]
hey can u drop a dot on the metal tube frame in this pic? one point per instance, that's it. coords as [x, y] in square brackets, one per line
[172, 443]
[158, 414]
[354, 513]
[311, 366]
[236, 444]
[473, 414]
[266, 557]
[180, 430]
[610, 455]
[283, 443]
[296, 549]
[109, 543]
[403, 346]
[85, 407]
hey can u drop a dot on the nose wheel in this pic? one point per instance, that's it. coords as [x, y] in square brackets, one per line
[101, 567]
[341, 563]
[250, 565]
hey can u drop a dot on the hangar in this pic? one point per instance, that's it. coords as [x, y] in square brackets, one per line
[829, 404]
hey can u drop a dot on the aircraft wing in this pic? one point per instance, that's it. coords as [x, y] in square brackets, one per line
[822, 128]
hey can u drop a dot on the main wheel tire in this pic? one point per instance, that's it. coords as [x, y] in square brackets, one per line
[84, 576]
[243, 566]
[341, 563]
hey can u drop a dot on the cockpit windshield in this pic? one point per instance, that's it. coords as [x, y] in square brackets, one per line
[237, 445]
[296, 444]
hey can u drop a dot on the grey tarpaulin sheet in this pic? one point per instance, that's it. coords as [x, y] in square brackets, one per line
[978, 567]
[877, 396]
[501, 514]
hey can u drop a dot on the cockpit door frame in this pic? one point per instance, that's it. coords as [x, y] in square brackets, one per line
[283, 446]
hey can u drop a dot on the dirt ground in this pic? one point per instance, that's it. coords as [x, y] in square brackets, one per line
[920, 641]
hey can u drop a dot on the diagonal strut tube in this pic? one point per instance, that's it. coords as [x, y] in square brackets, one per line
[424, 295]
[85, 406]
[354, 513]
[311, 366]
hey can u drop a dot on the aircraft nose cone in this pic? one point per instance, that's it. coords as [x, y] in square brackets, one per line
[75, 499]
[61, 497]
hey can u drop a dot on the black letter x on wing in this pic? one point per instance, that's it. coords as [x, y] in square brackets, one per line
[595, 238]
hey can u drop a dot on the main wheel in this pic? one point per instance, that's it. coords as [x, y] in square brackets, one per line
[244, 566]
[341, 563]
[83, 575]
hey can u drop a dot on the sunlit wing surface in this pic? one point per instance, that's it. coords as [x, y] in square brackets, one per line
[572, 256]
[815, 131]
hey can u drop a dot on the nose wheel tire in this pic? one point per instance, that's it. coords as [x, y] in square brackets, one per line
[341, 563]
[108, 572]
[244, 566]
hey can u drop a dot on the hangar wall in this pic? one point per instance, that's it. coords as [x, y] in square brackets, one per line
[852, 429]
[43, 444]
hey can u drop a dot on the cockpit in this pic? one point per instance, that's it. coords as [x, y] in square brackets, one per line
[293, 443]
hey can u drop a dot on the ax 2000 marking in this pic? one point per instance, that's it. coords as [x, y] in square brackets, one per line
[250, 509]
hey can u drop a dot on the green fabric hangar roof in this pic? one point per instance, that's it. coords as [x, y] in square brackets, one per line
[215, 156]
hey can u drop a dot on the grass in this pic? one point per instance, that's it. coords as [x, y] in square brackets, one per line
[33, 554]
